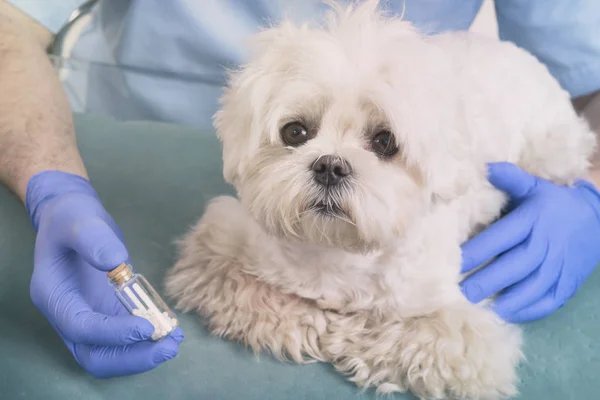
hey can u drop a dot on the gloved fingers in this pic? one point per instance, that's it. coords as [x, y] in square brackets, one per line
[538, 310]
[496, 239]
[508, 269]
[96, 242]
[87, 327]
[526, 292]
[177, 335]
[116, 228]
[83, 326]
[110, 361]
[511, 179]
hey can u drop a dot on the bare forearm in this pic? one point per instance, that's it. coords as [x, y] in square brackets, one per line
[36, 127]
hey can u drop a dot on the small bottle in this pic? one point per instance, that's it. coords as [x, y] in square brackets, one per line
[140, 299]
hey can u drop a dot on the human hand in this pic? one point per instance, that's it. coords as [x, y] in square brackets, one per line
[547, 245]
[77, 243]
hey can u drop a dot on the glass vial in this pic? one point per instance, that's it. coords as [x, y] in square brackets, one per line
[140, 299]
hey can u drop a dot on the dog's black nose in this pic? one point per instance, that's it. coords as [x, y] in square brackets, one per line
[330, 170]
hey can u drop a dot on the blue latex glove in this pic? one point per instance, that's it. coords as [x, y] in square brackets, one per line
[547, 245]
[77, 242]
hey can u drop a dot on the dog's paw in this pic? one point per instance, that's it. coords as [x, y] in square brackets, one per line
[461, 353]
[209, 278]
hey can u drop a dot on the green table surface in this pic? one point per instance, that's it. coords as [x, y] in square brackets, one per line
[155, 179]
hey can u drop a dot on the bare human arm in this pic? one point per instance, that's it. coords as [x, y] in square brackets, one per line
[40, 162]
[36, 126]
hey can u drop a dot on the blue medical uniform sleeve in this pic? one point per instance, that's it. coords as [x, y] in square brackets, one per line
[562, 34]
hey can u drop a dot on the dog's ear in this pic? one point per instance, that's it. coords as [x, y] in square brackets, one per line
[242, 121]
[238, 129]
[440, 152]
[429, 123]
[426, 110]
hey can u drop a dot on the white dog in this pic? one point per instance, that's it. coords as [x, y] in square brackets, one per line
[358, 151]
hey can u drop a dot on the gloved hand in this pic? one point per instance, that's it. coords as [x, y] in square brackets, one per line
[77, 243]
[547, 245]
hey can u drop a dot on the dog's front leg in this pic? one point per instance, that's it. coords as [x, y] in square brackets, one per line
[210, 278]
[459, 351]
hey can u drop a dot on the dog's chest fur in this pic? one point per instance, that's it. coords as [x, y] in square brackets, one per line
[406, 278]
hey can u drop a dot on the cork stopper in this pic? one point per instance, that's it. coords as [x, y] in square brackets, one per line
[120, 274]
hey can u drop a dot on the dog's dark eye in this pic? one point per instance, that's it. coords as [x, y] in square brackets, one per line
[384, 144]
[295, 134]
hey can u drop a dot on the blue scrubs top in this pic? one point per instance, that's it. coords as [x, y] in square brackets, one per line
[165, 59]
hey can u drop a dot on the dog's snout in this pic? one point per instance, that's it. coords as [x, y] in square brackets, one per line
[330, 170]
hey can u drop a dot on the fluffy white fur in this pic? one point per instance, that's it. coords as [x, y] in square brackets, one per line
[375, 290]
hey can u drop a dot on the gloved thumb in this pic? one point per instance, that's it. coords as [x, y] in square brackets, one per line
[96, 242]
[511, 179]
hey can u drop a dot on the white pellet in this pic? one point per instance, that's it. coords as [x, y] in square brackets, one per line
[158, 321]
